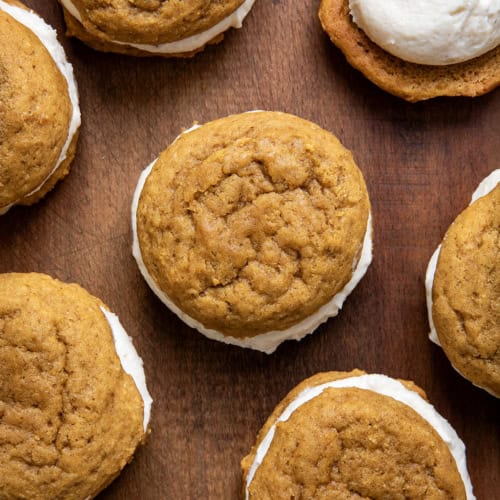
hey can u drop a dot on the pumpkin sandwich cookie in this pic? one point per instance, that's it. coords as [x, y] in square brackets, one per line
[253, 228]
[173, 28]
[73, 399]
[353, 435]
[463, 289]
[419, 49]
[39, 112]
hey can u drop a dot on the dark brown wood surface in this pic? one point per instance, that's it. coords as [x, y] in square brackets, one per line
[421, 162]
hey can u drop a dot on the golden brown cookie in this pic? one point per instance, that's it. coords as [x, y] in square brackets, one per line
[251, 224]
[177, 28]
[413, 82]
[70, 415]
[352, 435]
[466, 291]
[39, 120]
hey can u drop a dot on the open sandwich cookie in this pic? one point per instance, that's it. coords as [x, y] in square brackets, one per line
[419, 49]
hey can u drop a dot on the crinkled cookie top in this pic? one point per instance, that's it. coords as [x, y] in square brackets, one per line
[466, 292]
[152, 21]
[70, 417]
[252, 222]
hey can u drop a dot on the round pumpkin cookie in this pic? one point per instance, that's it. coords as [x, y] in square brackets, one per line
[73, 399]
[39, 121]
[353, 435]
[463, 289]
[420, 49]
[253, 228]
[173, 28]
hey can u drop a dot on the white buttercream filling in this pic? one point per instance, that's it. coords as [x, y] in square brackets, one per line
[429, 283]
[131, 362]
[269, 341]
[435, 32]
[48, 37]
[485, 187]
[189, 44]
[386, 386]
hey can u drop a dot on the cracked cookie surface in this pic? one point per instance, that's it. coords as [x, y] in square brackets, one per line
[34, 117]
[70, 417]
[252, 222]
[350, 443]
[466, 293]
[151, 21]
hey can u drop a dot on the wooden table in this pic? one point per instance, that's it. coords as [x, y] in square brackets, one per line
[421, 162]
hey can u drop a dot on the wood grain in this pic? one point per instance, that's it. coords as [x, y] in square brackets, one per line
[421, 162]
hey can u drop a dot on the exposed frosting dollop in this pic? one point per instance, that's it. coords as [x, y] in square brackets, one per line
[434, 32]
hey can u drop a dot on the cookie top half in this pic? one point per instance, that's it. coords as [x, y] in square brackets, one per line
[71, 417]
[252, 222]
[466, 292]
[353, 435]
[38, 120]
[153, 21]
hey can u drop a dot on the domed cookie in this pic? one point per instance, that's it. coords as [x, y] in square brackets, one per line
[463, 289]
[73, 399]
[353, 435]
[39, 112]
[253, 228]
[153, 27]
[427, 31]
